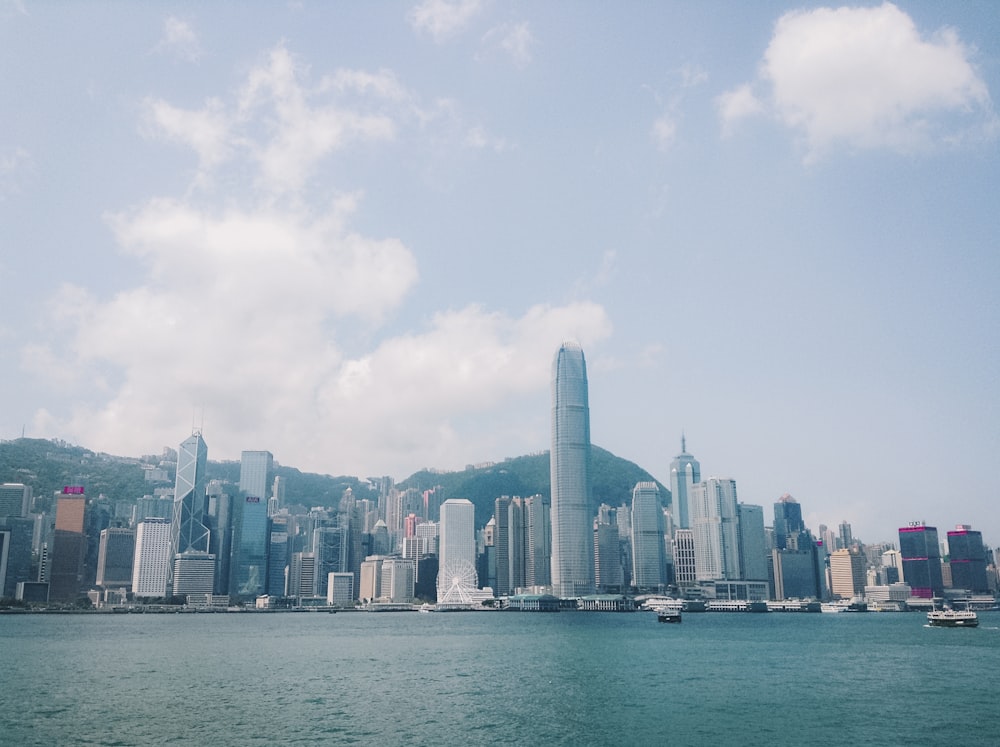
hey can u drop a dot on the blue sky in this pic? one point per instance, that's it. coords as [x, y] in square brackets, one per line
[355, 235]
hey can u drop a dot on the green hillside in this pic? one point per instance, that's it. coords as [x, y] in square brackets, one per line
[49, 465]
[613, 480]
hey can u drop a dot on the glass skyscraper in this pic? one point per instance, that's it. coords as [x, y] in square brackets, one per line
[685, 471]
[572, 525]
[647, 537]
[189, 530]
[918, 545]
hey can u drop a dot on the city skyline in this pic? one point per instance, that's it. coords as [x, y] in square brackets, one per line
[386, 218]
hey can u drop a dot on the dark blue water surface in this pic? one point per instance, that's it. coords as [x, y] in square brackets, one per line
[497, 678]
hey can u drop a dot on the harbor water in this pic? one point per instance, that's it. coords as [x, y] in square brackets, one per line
[471, 678]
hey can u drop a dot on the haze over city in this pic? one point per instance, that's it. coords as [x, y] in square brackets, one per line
[354, 235]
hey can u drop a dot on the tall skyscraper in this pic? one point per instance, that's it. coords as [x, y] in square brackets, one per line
[189, 529]
[716, 533]
[967, 557]
[685, 471]
[787, 522]
[457, 551]
[69, 546]
[647, 537]
[153, 560]
[918, 544]
[255, 473]
[538, 533]
[753, 542]
[572, 525]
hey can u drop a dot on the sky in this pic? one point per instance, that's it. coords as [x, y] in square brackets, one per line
[355, 235]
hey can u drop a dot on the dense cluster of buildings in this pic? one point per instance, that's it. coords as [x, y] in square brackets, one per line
[216, 544]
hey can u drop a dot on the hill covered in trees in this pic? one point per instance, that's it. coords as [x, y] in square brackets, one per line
[613, 479]
[49, 465]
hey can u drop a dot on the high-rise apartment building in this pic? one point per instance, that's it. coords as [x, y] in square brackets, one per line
[572, 526]
[967, 558]
[921, 553]
[716, 534]
[648, 563]
[685, 471]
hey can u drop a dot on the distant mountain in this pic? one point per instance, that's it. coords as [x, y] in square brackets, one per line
[613, 480]
[47, 466]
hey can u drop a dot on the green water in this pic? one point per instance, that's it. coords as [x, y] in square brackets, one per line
[497, 678]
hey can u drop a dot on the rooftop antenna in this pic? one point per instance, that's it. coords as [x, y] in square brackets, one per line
[683, 443]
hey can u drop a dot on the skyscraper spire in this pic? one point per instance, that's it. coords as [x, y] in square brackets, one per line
[683, 443]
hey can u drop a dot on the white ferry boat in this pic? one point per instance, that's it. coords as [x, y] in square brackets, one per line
[952, 619]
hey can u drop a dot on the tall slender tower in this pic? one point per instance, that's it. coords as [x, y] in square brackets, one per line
[189, 531]
[685, 471]
[572, 526]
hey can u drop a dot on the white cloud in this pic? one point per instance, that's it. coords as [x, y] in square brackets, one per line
[271, 314]
[865, 77]
[477, 137]
[179, 40]
[736, 105]
[512, 39]
[443, 19]
[664, 132]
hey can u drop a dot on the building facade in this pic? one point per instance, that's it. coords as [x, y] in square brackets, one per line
[572, 565]
[685, 472]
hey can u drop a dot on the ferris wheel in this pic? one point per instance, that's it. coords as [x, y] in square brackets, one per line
[457, 582]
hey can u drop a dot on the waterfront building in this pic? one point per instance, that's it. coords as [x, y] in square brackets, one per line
[302, 575]
[538, 534]
[798, 573]
[685, 572]
[151, 565]
[115, 556]
[256, 469]
[921, 554]
[189, 530]
[193, 573]
[457, 549]
[572, 565]
[277, 554]
[330, 544]
[685, 472]
[967, 559]
[753, 542]
[648, 562]
[340, 589]
[220, 539]
[847, 573]
[397, 580]
[716, 534]
[371, 578]
[248, 564]
[15, 499]
[609, 574]
[69, 546]
[15, 545]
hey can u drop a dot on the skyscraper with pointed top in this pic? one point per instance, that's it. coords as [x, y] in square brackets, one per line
[685, 471]
[572, 533]
[190, 534]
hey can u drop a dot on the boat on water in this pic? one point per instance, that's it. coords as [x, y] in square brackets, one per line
[666, 615]
[952, 619]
